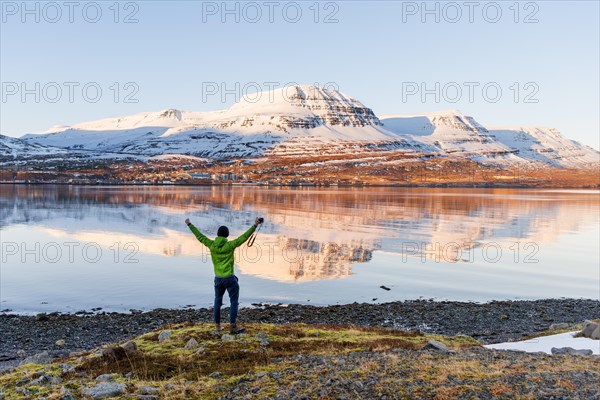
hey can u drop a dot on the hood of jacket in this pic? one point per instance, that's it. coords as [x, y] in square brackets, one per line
[220, 241]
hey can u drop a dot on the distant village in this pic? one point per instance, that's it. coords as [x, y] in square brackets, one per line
[163, 174]
[291, 172]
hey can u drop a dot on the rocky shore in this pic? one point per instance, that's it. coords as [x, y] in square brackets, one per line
[301, 361]
[492, 322]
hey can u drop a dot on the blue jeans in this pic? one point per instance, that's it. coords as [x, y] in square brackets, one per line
[230, 284]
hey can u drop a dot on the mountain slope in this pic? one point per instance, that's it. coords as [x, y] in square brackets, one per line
[453, 134]
[308, 121]
[547, 145]
[19, 149]
[245, 130]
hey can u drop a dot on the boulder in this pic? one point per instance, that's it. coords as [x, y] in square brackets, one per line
[129, 347]
[148, 390]
[191, 344]
[571, 351]
[596, 334]
[164, 335]
[588, 328]
[227, 337]
[104, 390]
[437, 346]
[40, 358]
[60, 342]
[105, 378]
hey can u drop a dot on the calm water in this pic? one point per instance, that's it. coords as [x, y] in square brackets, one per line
[69, 248]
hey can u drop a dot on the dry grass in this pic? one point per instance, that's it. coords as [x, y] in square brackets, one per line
[396, 369]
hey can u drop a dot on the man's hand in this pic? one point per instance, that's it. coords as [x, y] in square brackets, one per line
[187, 221]
[256, 221]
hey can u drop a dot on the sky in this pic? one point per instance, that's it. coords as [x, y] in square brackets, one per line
[504, 63]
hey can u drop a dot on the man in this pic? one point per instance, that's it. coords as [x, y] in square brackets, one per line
[221, 252]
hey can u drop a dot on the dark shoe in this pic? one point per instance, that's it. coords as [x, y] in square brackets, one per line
[237, 331]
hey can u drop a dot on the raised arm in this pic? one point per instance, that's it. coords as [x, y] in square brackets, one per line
[203, 239]
[241, 239]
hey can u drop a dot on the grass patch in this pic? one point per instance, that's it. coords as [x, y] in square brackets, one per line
[263, 369]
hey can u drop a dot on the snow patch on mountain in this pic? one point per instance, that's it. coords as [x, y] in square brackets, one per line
[453, 133]
[547, 145]
[17, 148]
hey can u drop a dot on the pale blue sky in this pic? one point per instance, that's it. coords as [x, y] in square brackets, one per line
[370, 54]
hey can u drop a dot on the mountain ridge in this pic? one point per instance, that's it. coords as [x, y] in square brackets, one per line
[309, 120]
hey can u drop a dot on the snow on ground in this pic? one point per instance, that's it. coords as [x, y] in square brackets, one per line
[546, 343]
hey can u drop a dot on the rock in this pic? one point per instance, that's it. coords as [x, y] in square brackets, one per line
[145, 397]
[65, 393]
[227, 337]
[115, 353]
[191, 344]
[558, 326]
[21, 353]
[596, 334]
[262, 338]
[164, 335]
[385, 287]
[215, 375]
[201, 350]
[104, 390]
[105, 377]
[41, 317]
[45, 380]
[437, 346]
[129, 347]
[588, 328]
[169, 386]
[66, 367]
[39, 358]
[571, 351]
[148, 390]
[60, 342]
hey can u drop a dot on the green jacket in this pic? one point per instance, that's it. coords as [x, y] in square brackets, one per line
[221, 250]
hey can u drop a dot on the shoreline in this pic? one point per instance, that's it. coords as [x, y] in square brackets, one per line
[490, 322]
[433, 185]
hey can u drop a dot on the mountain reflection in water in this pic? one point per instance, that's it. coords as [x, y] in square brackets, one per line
[310, 234]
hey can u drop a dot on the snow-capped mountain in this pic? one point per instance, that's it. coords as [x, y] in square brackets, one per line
[17, 149]
[279, 122]
[453, 133]
[547, 145]
[308, 120]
